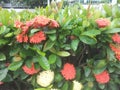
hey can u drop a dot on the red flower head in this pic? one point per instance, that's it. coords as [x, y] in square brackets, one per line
[103, 77]
[53, 24]
[37, 37]
[40, 21]
[24, 29]
[116, 50]
[1, 83]
[116, 38]
[18, 24]
[68, 71]
[22, 38]
[30, 70]
[102, 22]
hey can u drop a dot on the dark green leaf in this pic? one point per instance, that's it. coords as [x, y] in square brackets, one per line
[74, 44]
[15, 65]
[3, 73]
[87, 71]
[48, 45]
[3, 41]
[101, 86]
[65, 86]
[52, 37]
[88, 40]
[2, 57]
[59, 62]
[44, 62]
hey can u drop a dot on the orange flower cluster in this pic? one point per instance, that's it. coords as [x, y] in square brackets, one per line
[68, 71]
[39, 22]
[31, 70]
[103, 77]
[102, 22]
[116, 47]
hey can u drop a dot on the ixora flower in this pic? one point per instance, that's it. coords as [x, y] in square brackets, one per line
[116, 38]
[30, 70]
[77, 85]
[102, 22]
[22, 38]
[68, 71]
[116, 50]
[53, 24]
[103, 77]
[37, 37]
[45, 78]
[1, 83]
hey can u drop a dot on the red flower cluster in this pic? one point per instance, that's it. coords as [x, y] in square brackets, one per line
[102, 22]
[116, 50]
[116, 38]
[103, 77]
[1, 83]
[30, 70]
[38, 22]
[68, 71]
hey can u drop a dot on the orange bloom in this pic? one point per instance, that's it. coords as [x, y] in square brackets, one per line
[22, 38]
[37, 37]
[24, 29]
[18, 24]
[102, 22]
[40, 21]
[103, 77]
[116, 50]
[116, 38]
[30, 70]
[53, 24]
[68, 71]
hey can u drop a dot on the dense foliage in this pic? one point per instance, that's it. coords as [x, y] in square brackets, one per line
[61, 49]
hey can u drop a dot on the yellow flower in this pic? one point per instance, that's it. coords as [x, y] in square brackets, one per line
[77, 85]
[45, 78]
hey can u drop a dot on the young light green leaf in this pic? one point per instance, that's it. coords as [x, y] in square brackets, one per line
[74, 44]
[2, 57]
[63, 53]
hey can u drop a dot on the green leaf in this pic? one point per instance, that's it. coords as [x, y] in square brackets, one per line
[114, 30]
[58, 77]
[41, 89]
[101, 86]
[3, 73]
[88, 40]
[52, 37]
[52, 59]
[91, 33]
[44, 62]
[74, 44]
[2, 57]
[34, 31]
[63, 53]
[15, 65]
[65, 86]
[3, 41]
[87, 71]
[59, 62]
[48, 45]
[9, 35]
[50, 32]
[100, 64]
[98, 71]
[107, 9]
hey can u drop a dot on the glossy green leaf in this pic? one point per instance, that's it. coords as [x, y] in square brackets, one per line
[63, 53]
[3, 73]
[87, 71]
[48, 45]
[34, 31]
[100, 64]
[88, 40]
[3, 41]
[15, 65]
[9, 35]
[91, 33]
[59, 62]
[65, 86]
[52, 37]
[52, 59]
[44, 62]
[2, 57]
[101, 86]
[114, 30]
[98, 71]
[74, 44]
[50, 31]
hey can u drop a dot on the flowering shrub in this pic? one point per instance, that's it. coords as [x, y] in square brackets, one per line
[69, 49]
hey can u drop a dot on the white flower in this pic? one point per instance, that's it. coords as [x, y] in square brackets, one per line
[77, 85]
[54, 89]
[45, 78]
